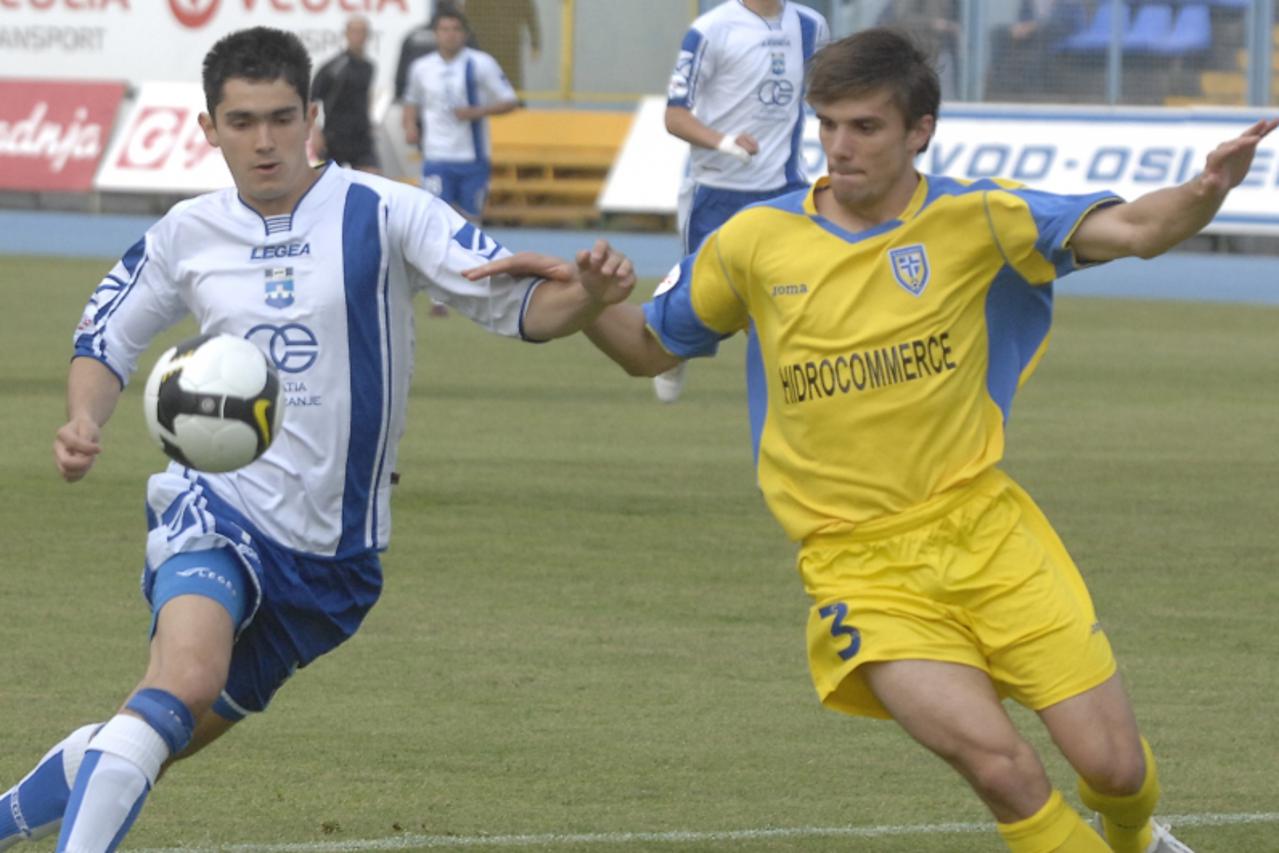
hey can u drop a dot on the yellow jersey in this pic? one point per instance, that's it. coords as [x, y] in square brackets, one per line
[887, 360]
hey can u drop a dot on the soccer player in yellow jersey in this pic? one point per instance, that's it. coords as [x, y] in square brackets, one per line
[896, 314]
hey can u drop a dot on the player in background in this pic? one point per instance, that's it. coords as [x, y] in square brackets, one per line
[341, 87]
[255, 573]
[897, 313]
[736, 97]
[454, 90]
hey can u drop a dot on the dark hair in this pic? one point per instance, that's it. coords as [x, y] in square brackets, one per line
[877, 58]
[447, 10]
[259, 54]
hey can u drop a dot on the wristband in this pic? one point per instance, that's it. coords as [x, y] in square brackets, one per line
[728, 145]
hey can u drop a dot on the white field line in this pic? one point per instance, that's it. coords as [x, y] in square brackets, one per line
[561, 840]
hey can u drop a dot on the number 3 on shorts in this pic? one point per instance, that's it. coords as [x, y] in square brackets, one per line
[838, 629]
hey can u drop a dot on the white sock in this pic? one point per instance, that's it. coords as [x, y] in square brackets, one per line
[118, 770]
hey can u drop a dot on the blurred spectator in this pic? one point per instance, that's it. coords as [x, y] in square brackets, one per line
[1020, 53]
[420, 41]
[451, 93]
[500, 26]
[342, 87]
[935, 26]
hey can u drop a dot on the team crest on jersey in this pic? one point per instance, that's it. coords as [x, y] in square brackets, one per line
[910, 267]
[279, 287]
[778, 63]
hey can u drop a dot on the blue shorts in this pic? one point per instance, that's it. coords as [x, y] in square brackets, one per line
[463, 185]
[712, 207]
[288, 608]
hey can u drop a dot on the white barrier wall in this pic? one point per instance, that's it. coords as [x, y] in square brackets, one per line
[1077, 150]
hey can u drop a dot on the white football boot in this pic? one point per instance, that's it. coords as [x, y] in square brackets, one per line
[1162, 842]
[669, 385]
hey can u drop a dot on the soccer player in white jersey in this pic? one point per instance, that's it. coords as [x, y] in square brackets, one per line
[255, 573]
[453, 91]
[897, 314]
[736, 97]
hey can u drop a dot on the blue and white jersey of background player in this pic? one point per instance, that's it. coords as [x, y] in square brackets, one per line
[738, 72]
[327, 293]
[437, 86]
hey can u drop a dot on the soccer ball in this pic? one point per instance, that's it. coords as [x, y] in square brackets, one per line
[213, 403]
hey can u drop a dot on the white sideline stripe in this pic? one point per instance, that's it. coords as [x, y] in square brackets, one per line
[423, 842]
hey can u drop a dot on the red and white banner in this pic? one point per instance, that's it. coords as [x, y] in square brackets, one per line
[160, 147]
[137, 40]
[52, 134]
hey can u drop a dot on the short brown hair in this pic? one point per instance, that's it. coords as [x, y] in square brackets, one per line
[878, 58]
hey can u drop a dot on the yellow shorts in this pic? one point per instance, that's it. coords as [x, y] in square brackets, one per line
[976, 577]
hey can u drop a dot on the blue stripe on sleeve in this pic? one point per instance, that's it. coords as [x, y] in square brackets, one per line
[1056, 217]
[361, 262]
[688, 65]
[135, 253]
[93, 344]
[1018, 317]
[671, 317]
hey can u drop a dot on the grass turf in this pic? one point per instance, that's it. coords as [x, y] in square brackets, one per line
[590, 623]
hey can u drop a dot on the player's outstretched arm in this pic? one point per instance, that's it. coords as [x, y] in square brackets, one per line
[621, 333]
[573, 294]
[1155, 222]
[92, 393]
[617, 329]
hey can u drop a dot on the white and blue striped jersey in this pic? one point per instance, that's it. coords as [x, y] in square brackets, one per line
[326, 292]
[437, 86]
[739, 73]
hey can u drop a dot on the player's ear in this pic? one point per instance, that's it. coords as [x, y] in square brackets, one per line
[919, 136]
[210, 129]
[312, 111]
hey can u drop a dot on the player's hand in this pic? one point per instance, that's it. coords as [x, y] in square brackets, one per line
[468, 113]
[606, 274]
[526, 265]
[741, 146]
[75, 447]
[1229, 163]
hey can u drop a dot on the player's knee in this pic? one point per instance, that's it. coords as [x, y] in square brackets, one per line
[1117, 770]
[197, 684]
[1004, 773]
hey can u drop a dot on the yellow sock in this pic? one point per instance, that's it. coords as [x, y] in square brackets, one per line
[1127, 819]
[1056, 828]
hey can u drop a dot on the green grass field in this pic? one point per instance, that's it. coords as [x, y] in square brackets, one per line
[591, 626]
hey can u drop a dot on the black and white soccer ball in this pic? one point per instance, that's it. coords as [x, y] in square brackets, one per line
[213, 403]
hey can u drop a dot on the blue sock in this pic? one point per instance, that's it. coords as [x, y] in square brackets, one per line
[119, 769]
[33, 808]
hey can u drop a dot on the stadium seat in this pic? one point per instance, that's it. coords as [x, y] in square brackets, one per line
[1096, 36]
[1191, 32]
[1151, 26]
